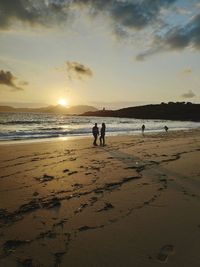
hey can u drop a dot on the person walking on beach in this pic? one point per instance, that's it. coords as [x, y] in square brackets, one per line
[166, 129]
[143, 128]
[95, 132]
[102, 137]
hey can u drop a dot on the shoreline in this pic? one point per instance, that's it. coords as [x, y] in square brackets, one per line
[80, 137]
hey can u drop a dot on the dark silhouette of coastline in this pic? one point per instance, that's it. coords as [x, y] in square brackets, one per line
[58, 109]
[171, 111]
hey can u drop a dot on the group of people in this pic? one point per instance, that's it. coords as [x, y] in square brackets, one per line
[95, 132]
[165, 127]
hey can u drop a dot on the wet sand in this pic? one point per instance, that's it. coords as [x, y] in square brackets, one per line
[134, 202]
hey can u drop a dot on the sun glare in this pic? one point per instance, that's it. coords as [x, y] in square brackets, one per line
[63, 102]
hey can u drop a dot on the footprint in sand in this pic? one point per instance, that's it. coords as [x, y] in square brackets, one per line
[106, 207]
[71, 173]
[66, 170]
[45, 178]
[164, 253]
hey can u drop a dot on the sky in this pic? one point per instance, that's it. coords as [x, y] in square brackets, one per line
[105, 53]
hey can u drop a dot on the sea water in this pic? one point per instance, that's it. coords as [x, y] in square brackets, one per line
[32, 126]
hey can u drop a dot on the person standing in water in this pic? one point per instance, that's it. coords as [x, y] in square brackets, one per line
[95, 132]
[166, 129]
[102, 137]
[143, 128]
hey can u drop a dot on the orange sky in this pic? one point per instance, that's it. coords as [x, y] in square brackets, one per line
[126, 52]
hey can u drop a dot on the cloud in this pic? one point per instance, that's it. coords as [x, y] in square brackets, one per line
[124, 13]
[135, 14]
[77, 70]
[183, 11]
[39, 12]
[176, 39]
[125, 17]
[151, 51]
[8, 79]
[189, 94]
[180, 38]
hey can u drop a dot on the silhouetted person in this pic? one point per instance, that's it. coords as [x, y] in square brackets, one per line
[166, 128]
[95, 132]
[143, 128]
[102, 137]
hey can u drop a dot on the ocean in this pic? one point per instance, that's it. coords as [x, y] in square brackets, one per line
[34, 126]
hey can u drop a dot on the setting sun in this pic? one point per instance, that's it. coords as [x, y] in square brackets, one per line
[63, 102]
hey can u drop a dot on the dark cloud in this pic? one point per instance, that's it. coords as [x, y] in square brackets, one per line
[189, 94]
[77, 70]
[137, 14]
[177, 38]
[153, 50]
[124, 15]
[129, 14]
[8, 79]
[44, 12]
[181, 37]
[16, 9]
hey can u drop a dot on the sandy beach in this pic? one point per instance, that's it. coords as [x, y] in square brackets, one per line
[134, 202]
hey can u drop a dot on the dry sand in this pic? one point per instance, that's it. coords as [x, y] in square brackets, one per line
[134, 202]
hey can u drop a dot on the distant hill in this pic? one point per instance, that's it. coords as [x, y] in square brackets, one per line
[81, 109]
[171, 111]
[74, 110]
[7, 109]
